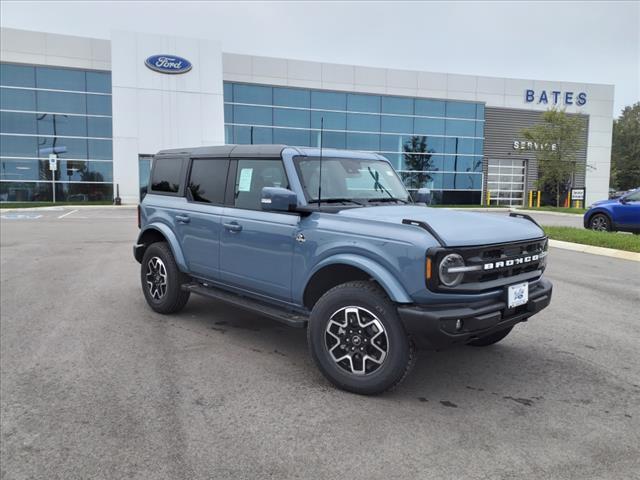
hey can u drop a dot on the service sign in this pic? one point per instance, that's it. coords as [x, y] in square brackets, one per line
[577, 194]
[53, 162]
[171, 64]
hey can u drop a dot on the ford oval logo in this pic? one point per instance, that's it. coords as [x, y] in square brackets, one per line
[168, 64]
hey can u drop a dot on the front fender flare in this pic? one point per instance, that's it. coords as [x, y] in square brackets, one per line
[171, 240]
[380, 274]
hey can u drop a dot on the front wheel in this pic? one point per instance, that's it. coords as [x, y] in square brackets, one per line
[600, 222]
[490, 339]
[357, 341]
[162, 280]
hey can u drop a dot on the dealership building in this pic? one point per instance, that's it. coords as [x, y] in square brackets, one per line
[82, 117]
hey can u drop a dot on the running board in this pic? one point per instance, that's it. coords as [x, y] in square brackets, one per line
[288, 318]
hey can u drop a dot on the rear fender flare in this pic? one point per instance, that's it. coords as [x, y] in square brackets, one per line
[172, 240]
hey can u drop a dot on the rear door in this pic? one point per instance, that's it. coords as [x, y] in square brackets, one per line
[198, 227]
[257, 246]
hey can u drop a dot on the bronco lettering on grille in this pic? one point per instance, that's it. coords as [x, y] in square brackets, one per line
[511, 262]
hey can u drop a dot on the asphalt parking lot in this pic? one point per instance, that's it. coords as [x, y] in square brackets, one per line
[93, 384]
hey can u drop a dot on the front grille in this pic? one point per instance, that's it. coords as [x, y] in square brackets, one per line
[494, 255]
[497, 265]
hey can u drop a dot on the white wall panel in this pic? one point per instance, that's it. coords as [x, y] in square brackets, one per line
[153, 111]
[370, 76]
[461, 83]
[269, 67]
[303, 70]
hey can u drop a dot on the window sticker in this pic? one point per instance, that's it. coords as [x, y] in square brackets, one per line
[244, 185]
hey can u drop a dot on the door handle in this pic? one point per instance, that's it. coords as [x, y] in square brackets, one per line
[183, 218]
[232, 227]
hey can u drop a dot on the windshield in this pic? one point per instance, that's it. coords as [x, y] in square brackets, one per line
[350, 178]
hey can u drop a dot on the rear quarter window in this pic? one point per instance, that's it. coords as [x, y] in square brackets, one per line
[208, 180]
[166, 175]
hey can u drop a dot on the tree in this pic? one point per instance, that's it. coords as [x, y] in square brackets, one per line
[625, 152]
[417, 159]
[556, 142]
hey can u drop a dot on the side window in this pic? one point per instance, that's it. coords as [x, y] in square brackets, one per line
[252, 176]
[166, 175]
[208, 179]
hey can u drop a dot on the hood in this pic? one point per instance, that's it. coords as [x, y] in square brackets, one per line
[601, 203]
[457, 228]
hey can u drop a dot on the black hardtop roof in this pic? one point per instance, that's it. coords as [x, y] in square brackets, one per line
[226, 151]
[262, 151]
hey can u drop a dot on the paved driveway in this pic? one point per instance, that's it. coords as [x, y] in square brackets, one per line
[96, 385]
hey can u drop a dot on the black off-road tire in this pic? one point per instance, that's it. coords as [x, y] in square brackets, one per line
[491, 339]
[369, 299]
[173, 299]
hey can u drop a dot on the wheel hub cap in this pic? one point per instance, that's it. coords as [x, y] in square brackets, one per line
[356, 340]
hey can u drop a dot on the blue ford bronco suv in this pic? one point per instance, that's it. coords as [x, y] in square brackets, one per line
[332, 242]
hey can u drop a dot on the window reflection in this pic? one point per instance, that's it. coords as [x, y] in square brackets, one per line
[48, 114]
[437, 143]
[18, 99]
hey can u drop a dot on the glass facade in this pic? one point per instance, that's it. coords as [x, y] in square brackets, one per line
[436, 144]
[65, 111]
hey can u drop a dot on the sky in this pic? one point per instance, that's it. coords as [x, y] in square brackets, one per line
[590, 42]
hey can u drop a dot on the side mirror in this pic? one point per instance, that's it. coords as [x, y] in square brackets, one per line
[423, 196]
[622, 200]
[277, 199]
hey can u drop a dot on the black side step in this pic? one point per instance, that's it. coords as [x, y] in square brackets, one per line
[289, 318]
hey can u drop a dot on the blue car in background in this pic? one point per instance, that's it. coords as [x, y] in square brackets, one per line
[619, 214]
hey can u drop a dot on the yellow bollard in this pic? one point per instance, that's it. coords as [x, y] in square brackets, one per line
[538, 203]
[530, 198]
[488, 198]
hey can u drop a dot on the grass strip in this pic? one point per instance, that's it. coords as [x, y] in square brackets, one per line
[616, 240]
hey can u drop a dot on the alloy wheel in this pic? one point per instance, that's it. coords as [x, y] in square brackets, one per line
[356, 340]
[156, 277]
[599, 223]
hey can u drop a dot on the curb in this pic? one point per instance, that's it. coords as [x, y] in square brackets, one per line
[544, 212]
[57, 208]
[602, 251]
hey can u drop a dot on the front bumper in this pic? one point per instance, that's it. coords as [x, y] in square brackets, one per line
[434, 327]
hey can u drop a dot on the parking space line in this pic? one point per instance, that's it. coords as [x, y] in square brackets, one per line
[68, 213]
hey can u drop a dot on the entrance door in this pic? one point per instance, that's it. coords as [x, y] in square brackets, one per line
[144, 167]
[506, 181]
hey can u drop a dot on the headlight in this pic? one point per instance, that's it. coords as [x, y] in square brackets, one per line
[449, 277]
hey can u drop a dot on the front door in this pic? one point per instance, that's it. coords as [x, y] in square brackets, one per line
[256, 247]
[628, 213]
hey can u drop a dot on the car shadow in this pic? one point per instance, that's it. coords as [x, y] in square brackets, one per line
[517, 371]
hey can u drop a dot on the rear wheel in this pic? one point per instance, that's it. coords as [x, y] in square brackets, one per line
[357, 340]
[491, 339]
[600, 222]
[162, 280]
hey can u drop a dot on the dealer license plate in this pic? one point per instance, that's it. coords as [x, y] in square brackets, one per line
[518, 294]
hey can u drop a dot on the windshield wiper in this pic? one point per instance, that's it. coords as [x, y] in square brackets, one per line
[387, 199]
[335, 200]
